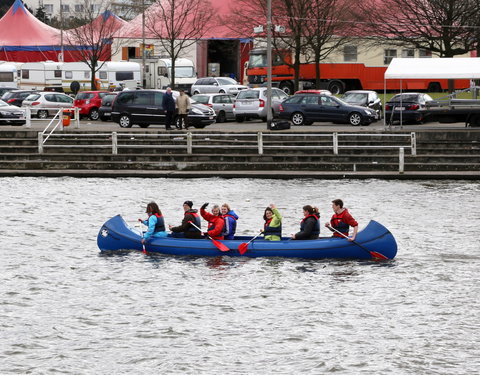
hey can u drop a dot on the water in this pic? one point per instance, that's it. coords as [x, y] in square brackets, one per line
[66, 309]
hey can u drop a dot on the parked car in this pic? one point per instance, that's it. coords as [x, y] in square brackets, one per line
[105, 110]
[251, 103]
[307, 108]
[16, 97]
[144, 107]
[89, 102]
[11, 114]
[222, 104]
[364, 98]
[223, 85]
[44, 104]
[3, 90]
[313, 91]
[408, 105]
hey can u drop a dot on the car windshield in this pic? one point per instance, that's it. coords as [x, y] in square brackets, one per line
[355, 97]
[226, 81]
[32, 97]
[200, 98]
[3, 104]
[257, 61]
[248, 94]
[108, 99]
[84, 95]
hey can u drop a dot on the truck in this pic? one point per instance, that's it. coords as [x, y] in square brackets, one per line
[335, 77]
[60, 76]
[158, 73]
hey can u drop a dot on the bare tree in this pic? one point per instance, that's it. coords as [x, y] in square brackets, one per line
[92, 39]
[440, 26]
[178, 24]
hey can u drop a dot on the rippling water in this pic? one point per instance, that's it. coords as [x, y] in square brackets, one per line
[66, 309]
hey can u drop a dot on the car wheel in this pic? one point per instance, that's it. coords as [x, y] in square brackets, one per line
[94, 114]
[144, 125]
[298, 118]
[286, 87]
[125, 121]
[239, 118]
[221, 116]
[196, 92]
[42, 114]
[336, 87]
[222, 91]
[355, 119]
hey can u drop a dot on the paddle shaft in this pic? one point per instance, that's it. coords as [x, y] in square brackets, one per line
[261, 232]
[220, 246]
[374, 254]
[243, 247]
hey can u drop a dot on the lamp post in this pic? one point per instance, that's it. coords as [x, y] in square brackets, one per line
[61, 59]
[143, 45]
[269, 64]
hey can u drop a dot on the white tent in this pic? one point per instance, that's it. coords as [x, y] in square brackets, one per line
[434, 68]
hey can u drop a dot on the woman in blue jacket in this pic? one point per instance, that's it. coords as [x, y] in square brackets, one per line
[230, 218]
[155, 223]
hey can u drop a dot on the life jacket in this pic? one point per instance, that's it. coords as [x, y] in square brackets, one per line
[196, 220]
[230, 226]
[268, 230]
[160, 226]
[337, 222]
[316, 228]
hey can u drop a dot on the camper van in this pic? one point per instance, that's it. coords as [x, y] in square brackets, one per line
[8, 74]
[158, 72]
[41, 75]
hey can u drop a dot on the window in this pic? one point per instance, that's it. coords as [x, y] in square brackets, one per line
[103, 75]
[79, 8]
[162, 71]
[408, 52]
[310, 99]
[6, 77]
[423, 53]
[143, 98]
[126, 98]
[48, 8]
[158, 99]
[94, 7]
[63, 99]
[50, 98]
[86, 74]
[328, 101]
[57, 73]
[65, 8]
[123, 76]
[389, 55]
[68, 74]
[350, 53]
[25, 73]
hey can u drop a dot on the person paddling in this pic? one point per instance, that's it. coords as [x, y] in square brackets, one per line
[230, 218]
[342, 221]
[155, 223]
[190, 216]
[272, 229]
[216, 222]
[310, 225]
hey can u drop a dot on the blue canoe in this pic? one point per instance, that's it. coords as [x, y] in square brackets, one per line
[116, 235]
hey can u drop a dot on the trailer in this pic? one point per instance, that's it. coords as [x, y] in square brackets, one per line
[8, 74]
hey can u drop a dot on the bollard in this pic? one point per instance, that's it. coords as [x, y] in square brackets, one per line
[413, 143]
[40, 142]
[114, 143]
[28, 117]
[77, 118]
[189, 143]
[335, 143]
[401, 160]
[260, 143]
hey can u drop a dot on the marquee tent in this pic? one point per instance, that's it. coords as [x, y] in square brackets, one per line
[436, 68]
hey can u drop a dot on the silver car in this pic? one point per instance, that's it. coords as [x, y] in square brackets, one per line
[44, 104]
[223, 85]
[252, 103]
[222, 104]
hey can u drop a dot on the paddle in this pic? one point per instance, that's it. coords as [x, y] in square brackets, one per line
[243, 247]
[141, 231]
[220, 246]
[374, 254]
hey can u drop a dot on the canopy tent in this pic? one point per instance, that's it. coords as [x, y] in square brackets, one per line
[436, 68]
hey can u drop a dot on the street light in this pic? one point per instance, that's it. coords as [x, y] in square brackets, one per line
[269, 64]
[61, 59]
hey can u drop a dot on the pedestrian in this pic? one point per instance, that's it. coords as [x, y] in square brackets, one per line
[272, 229]
[342, 220]
[154, 222]
[310, 225]
[190, 215]
[230, 218]
[168, 105]
[183, 105]
[216, 222]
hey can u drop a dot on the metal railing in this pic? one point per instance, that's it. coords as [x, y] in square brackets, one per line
[58, 111]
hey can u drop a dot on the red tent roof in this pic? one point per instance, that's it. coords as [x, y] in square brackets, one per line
[18, 27]
[105, 24]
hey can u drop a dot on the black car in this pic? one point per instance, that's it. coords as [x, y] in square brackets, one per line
[144, 107]
[11, 115]
[16, 97]
[305, 109]
[405, 107]
[105, 110]
[364, 98]
[3, 90]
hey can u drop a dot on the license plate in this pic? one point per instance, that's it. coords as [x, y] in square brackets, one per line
[210, 118]
[399, 108]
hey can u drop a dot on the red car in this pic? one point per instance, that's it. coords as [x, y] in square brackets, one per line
[89, 102]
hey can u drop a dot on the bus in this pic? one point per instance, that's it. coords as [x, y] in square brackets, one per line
[335, 77]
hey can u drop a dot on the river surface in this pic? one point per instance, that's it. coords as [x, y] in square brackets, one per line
[67, 309]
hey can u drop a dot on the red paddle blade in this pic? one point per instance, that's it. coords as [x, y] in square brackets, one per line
[242, 248]
[144, 250]
[378, 255]
[220, 246]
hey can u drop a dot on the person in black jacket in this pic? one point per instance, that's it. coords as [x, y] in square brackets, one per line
[168, 104]
[310, 225]
[190, 216]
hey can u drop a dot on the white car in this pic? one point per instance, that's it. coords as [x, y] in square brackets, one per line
[44, 104]
[252, 103]
[223, 85]
[222, 104]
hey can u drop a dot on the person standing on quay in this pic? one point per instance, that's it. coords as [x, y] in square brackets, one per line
[168, 105]
[183, 105]
[342, 221]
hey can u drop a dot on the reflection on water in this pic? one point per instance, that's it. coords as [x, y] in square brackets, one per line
[66, 308]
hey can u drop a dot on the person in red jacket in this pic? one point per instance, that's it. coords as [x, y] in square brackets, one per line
[216, 222]
[342, 221]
